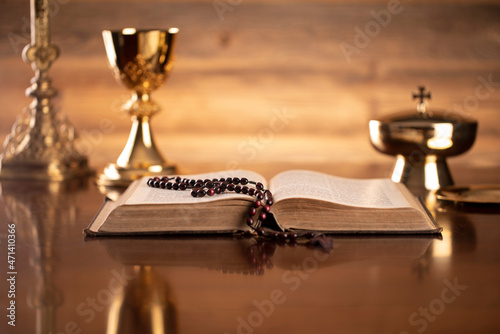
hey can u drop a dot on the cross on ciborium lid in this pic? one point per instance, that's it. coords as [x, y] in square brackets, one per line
[422, 95]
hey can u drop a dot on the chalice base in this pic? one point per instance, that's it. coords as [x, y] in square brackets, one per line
[118, 176]
[428, 174]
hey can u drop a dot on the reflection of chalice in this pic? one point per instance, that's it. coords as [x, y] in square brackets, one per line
[141, 60]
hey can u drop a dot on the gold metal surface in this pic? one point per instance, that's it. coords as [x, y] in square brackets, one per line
[422, 140]
[41, 146]
[142, 61]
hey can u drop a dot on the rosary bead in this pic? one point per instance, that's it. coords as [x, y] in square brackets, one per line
[250, 221]
[211, 192]
[157, 183]
[150, 182]
[201, 193]
[257, 204]
[292, 235]
[194, 192]
[251, 191]
[270, 201]
[229, 180]
[223, 186]
[209, 184]
[175, 186]
[178, 179]
[215, 180]
[237, 189]
[156, 178]
[236, 180]
[198, 184]
[164, 178]
[263, 216]
[206, 180]
[283, 235]
[217, 190]
[199, 181]
[183, 186]
[252, 212]
[259, 186]
[222, 179]
[230, 187]
[259, 195]
[267, 208]
[162, 184]
[244, 190]
[192, 183]
[244, 181]
[260, 231]
[169, 185]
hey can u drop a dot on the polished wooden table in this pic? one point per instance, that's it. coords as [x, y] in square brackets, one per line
[66, 283]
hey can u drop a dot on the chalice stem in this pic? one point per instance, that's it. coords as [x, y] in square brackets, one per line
[140, 145]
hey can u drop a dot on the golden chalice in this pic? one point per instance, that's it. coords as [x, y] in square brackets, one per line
[142, 60]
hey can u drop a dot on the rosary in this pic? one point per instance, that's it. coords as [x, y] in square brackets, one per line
[257, 214]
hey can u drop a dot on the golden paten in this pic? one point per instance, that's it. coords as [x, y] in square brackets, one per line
[422, 140]
[142, 61]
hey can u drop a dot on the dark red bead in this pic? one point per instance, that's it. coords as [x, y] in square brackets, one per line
[217, 190]
[237, 189]
[260, 231]
[283, 235]
[259, 195]
[244, 180]
[175, 186]
[257, 204]
[192, 183]
[252, 212]
[259, 186]
[230, 187]
[222, 179]
[209, 184]
[183, 186]
[194, 192]
[244, 190]
[169, 185]
[250, 221]
[201, 193]
[156, 178]
[157, 183]
[229, 180]
[178, 179]
[292, 235]
[150, 182]
[211, 192]
[162, 184]
[165, 178]
[267, 208]
[263, 216]
[270, 202]
[251, 191]
[236, 180]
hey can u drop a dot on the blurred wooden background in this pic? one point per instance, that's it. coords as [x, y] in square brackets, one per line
[245, 65]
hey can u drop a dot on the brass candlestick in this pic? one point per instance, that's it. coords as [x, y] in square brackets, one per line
[41, 146]
[142, 61]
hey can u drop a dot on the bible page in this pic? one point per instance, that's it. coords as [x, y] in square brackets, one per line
[369, 193]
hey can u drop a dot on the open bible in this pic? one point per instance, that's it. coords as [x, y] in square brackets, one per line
[304, 200]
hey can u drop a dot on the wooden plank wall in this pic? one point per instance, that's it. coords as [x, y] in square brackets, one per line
[242, 63]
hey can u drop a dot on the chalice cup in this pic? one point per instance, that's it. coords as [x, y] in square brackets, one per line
[142, 61]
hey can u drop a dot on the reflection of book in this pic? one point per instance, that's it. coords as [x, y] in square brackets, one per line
[303, 200]
[245, 255]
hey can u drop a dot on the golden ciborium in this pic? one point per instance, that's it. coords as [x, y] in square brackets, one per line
[142, 60]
